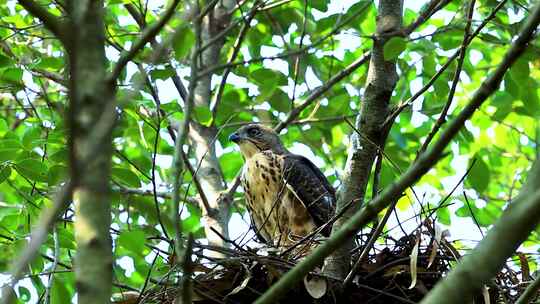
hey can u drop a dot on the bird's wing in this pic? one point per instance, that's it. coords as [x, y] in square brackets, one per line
[311, 187]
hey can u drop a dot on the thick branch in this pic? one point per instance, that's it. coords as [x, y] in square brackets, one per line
[425, 162]
[50, 21]
[381, 81]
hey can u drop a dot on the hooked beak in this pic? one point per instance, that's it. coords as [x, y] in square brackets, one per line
[235, 137]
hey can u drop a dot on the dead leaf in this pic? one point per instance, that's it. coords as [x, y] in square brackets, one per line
[242, 285]
[316, 286]
[435, 246]
[414, 261]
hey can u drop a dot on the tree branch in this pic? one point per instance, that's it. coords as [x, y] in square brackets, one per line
[147, 35]
[487, 259]
[462, 53]
[318, 92]
[425, 162]
[530, 292]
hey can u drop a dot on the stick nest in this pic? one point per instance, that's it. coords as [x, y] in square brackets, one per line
[395, 271]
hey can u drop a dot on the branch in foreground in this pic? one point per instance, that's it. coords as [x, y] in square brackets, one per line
[487, 259]
[530, 292]
[148, 34]
[50, 21]
[425, 162]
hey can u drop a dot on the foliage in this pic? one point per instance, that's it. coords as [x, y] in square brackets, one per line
[498, 143]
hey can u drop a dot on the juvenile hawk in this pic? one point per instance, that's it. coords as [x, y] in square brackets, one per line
[287, 196]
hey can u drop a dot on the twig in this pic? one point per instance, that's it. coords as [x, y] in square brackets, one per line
[52, 270]
[148, 276]
[432, 8]
[147, 35]
[195, 180]
[472, 213]
[140, 21]
[425, 162]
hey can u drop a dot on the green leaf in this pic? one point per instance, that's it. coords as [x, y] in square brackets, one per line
[5, 172]
[33, 169]
[162, 74]
[31, 137]
[203, 115]
[126, 176]
[394, 47]
[267, 77]
[520, 70]
[132, 241]
[5, 61]
[279, 101]
[183, 42]
[24, 294]
[479, 175]
[12, 75]
[59, 291]
[56, 174]
[443, 216]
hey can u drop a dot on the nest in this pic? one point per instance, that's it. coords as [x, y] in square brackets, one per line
[396, 271]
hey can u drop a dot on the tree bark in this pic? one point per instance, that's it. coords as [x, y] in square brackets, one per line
[90, 156]
[374, 109]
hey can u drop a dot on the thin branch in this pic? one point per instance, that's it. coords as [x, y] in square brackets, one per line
[425, 162]
[321, 90]
[462, 53]
[236, 49]
[142, 24]
[147, 35]
[183, 129]
[212, 69]
[400, 107]
[51, 22]
[195, 180]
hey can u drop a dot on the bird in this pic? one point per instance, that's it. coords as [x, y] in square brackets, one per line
[286, 195]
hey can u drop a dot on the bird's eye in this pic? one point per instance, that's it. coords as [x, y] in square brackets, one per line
[254, 132]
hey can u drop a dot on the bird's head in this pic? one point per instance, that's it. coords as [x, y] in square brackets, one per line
[254, 138]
